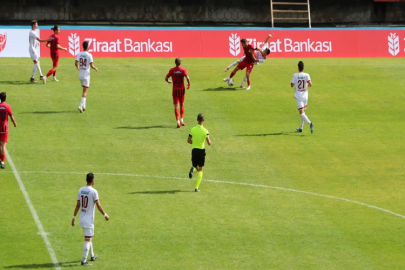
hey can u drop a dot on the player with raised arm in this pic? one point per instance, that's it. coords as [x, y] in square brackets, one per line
[55, 47]
[84, 61]
[178, 73]
[247, 63]
[302, 81]
[33, 43]
[197, 138]
[87, 198]
[5, 112]
[261, 55]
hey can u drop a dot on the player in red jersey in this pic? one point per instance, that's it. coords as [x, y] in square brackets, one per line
[178, 73]
[55, 47]
[247, 63]
[5, 112]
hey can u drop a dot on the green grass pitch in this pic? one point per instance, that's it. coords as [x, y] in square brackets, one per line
[264, 197]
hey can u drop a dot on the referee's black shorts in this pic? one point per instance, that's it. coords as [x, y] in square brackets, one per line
[198, 157]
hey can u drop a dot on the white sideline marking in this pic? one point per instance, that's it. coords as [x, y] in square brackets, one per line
[232, 183]
[34, 214]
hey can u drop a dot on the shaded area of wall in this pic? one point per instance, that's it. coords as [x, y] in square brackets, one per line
[194, 12]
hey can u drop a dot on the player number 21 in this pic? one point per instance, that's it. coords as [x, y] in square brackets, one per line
[301, 84]
[83, 62]
[85, 201]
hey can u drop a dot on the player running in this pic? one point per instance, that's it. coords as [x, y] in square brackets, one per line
[5, 112]
[261, 55]
[55, 47]
[87, 198]
[302, 81]
[197, 137]
[247, 63]
[33, 39]
[84, 61]
[178, 73]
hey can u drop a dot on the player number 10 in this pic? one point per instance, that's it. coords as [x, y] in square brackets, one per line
[85, 201]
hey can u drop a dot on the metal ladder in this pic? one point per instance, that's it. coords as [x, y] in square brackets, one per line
[273, 11]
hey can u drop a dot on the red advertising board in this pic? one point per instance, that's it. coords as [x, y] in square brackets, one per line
[226, 43]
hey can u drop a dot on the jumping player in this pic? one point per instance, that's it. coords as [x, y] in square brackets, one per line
[55, 47]
[261, 55]
[84, 61]
[178, 73]
[302, 81]
[5, 112]
[247, 63]
[87, 198]
[197, 137]
[33, 38]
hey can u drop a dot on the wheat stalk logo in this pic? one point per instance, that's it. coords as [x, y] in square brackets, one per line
[74, 44]
[3, 40]
[234, 44]
[393, 44]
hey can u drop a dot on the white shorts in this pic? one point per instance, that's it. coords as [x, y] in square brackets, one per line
[85, 82]
[34, 56]
[302, 103]
[88, 232]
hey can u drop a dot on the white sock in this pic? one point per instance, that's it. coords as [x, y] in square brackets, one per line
[305, 118]
[83, 102]
[86, 248]
[234, 64]
[39, 69]
[91, 249]
[302, 123]
[178, 121]
[33, 71]
[182, 120]
[244, 80]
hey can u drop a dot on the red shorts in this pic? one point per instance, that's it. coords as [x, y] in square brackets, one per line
[55, 59]
[177, 100]
[243, 64]
[4, 137]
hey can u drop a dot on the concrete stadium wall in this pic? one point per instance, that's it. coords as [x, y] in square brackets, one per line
[193, 11]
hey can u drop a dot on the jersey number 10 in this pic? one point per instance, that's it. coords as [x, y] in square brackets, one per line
[85, 201]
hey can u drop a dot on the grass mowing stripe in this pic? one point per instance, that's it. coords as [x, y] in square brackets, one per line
[34, 213]
[231, 183]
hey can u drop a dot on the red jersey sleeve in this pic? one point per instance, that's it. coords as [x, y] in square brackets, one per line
[9, 111]
[185, 72]
[170, 73]
[56, 39]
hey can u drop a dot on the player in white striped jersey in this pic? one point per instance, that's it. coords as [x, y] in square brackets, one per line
[87, 198]
[302, 81]
[84, 61]
[260, 54]
[33, 44]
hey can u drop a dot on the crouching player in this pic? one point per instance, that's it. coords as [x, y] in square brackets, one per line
[84, 61]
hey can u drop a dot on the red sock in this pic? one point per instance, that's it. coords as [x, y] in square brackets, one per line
[232, 74]
[3, 158]
[54, 73]
[50, 72]
[182, 111]
[249, 82]
[176, 112]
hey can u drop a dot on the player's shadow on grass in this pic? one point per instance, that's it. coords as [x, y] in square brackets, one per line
[44, 265]
[16, 82]
[146, 127]
[223, 89]
[159, 192]
[47, 112]
[291, 133]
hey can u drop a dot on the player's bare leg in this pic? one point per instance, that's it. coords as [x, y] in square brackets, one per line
[232, 74]
[82, 105]
[182, 110]
[199, 178]
[2, 153]
[176, 113]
